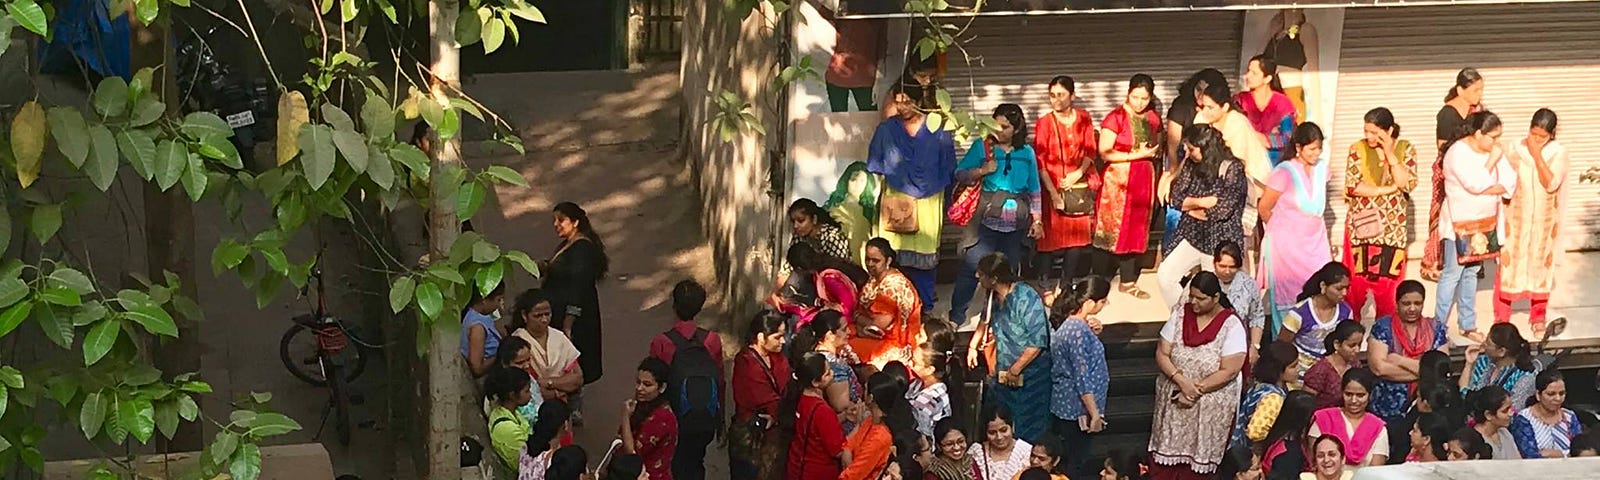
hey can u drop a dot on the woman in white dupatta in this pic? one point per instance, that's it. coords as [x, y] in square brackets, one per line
[555, 359]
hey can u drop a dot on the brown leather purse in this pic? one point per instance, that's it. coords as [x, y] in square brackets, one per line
[899, 213]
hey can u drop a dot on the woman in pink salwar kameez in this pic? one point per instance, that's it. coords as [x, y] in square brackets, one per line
[1296, 241]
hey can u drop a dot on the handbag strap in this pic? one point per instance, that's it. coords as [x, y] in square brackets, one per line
[771, 380]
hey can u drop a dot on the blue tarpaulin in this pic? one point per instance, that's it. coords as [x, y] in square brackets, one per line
[83, 33]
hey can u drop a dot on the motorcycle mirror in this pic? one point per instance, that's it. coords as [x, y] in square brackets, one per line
[1555, 327]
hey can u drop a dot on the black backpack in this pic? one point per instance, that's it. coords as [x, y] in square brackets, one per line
[693, 383]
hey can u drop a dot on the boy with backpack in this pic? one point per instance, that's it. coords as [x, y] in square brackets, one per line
[695, 384]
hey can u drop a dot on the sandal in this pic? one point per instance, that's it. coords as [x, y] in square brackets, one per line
[1134, 290]
[1474, 335]
[1538, 329]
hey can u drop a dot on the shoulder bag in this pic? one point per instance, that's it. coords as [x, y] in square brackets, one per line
[1077, 199]
[966, 201]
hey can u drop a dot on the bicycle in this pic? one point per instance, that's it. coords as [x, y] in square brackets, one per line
[336, 365]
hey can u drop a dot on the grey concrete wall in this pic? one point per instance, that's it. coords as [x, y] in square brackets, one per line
[723, 53]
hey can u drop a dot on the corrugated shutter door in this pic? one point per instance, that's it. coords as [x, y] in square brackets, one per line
[1531, 55]
[1013, 58]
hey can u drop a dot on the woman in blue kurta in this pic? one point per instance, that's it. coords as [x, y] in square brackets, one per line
[1078, 367]
[917, 160]
[1008, 210]
[1016, 328]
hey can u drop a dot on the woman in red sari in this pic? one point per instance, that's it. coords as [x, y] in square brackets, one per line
[1064, 142]
[1129, 138]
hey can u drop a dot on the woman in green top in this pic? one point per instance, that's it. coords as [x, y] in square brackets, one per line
[508, 389]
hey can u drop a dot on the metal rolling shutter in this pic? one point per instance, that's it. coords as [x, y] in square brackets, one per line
[1013, 58]
[1532, 56]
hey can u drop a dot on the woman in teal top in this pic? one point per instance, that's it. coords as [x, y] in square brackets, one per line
[1021, 337]
[1008, 209]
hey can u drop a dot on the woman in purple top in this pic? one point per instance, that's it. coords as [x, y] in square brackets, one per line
[917, 161]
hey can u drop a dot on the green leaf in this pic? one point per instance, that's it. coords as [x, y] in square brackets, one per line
[469, 199]
[4, 444]
[11, 377]
[101, 165]
[205, 124]
[523, 10]
[522, 260]
[449, 124]
[138, 415]
[276, 259]
[110, 96]
[33, 458]
[62, 389]
[166, 417]
[378, 117]
[271, 424]
[336, 118]
[242, 418]
[327, 6]
[379, 169]
[139, 149]
[494, 35]
[12, 290]
[354, 148]
[447, 273]
[490, 276]
[147, 11]
[431, 111]
[146, 111]
[261, 398]
[46, 222]
[246, 464]
[469, 29]
[348, 9]
[93, 414]
[401, 293]
[4, 399]
[30, 16]
[91, 312]
[388, 10]
[227, 255]
[61, 296]
[316, 153]
[100, 340]
[71, 134]
[506, 175]
[187, 409]
[485, 252]
[5, 227]
[154, 320]
[57, 329]
[430, 299]
[172, 158]
[29, 131]
[219, 148]
[412, 157]
[73, 279]
[194, 177]
[13, 316]
[195, 387]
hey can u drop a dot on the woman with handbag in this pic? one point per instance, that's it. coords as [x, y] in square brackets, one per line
[999, 201]
[1017, 326]
[1476, 178]
[1129, 138]
[1065, 142]
[917, 161]
[760, 373]
[1380, 173]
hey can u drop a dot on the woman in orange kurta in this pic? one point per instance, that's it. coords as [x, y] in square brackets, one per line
[889, 315]
[1065, 144]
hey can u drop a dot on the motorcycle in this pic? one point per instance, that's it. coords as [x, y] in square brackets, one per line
[208, 85]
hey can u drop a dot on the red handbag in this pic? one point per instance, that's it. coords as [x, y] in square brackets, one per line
[967, 196]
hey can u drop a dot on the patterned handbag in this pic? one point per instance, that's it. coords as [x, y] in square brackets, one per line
[1477, 240]
[1365, 224]
[966, 201]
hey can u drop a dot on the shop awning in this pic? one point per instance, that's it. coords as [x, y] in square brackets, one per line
[895, 8]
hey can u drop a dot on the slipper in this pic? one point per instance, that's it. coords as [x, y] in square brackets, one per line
[1134, 291]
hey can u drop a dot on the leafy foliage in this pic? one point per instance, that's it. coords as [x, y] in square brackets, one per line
[331, 147]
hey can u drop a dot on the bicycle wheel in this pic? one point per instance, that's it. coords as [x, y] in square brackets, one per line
[341, 404]
[299, 352]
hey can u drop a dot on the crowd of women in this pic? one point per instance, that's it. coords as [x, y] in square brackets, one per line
[1276, 377]
[850, 374]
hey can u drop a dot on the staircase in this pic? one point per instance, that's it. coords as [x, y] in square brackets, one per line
[1130, 410]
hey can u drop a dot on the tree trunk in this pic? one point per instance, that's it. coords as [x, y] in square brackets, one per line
[444, 370]
[169, 230]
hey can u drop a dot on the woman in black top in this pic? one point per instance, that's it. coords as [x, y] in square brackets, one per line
[1463, 99]
[571, 276]
[1179, 117]
[1210, 190]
